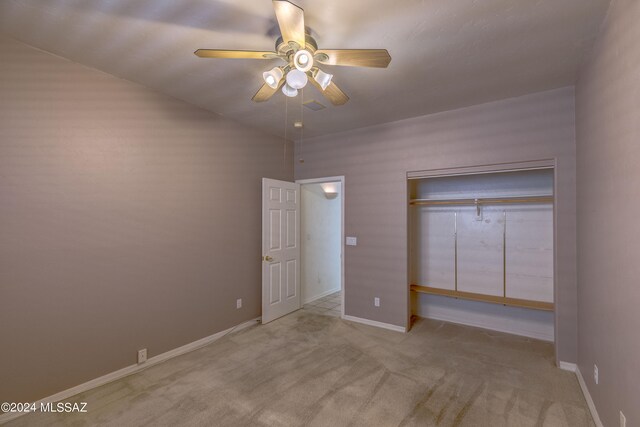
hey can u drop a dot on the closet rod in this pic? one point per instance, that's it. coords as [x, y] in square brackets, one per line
[483, 201]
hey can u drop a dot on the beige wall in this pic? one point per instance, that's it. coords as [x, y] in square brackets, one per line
[375, 161]
[608, 157]
[127, 220]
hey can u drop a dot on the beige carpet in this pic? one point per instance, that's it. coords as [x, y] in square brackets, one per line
[330, 305]
[310, 369]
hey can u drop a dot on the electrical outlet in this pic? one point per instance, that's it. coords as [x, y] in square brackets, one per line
[623, 420]
[376, 302]
[142, 355]
[595, 374]
[352, 241]
[239, 303]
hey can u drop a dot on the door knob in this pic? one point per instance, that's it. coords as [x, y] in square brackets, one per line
[267, 258]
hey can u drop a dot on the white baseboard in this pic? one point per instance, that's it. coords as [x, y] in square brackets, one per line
[587, 396]
[375, 323]
[132, 369]
[568, 366]
[572, 367]
[322, 295]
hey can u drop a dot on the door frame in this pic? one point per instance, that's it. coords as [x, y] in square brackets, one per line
[341, 180]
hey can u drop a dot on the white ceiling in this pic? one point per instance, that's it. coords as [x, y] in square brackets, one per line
[446, 53]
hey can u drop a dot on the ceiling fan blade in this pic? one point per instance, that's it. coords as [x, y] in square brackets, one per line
[266, 92]
[291, 21]
[333, 93]
[235, 54]
[378, 58]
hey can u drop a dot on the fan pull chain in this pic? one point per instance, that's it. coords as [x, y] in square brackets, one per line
[301, 159]
[286, 113]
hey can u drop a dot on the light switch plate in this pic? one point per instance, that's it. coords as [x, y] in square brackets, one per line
[352, 241]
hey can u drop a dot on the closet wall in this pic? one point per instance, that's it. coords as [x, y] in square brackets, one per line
[484, 241]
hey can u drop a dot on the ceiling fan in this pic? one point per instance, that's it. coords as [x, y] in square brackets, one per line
[300, 51]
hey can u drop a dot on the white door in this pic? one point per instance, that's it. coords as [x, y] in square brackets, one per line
[280, 248]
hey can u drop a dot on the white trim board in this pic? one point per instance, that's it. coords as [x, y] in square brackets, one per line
[568, 366]
[322, 295]
[589, 399]
[572, 367]
[482, 169]
[320, 180]
[375, 323]
[132, 369]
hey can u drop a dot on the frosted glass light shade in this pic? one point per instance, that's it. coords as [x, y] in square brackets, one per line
[273, 77]
[296, 79]
[323, 79]
[289, 91]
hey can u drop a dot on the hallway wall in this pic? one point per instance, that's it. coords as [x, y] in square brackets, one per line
[321, 242]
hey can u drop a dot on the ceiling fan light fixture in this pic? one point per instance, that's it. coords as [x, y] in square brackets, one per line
[298, 49]
[322, 78]
[303, 60]
[272, 77]
[289, 91]
[297, 79]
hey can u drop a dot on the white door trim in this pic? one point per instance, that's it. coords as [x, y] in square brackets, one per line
[341, 180]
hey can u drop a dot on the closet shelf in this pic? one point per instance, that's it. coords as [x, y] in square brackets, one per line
[513, 302]
[484, 200]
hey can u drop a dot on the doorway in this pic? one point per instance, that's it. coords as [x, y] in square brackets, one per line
[322, 241]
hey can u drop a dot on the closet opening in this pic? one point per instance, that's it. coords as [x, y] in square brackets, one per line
[321, 245]
[481, 249]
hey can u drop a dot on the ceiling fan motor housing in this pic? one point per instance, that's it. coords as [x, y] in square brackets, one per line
[289, 49]
[303, 60]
